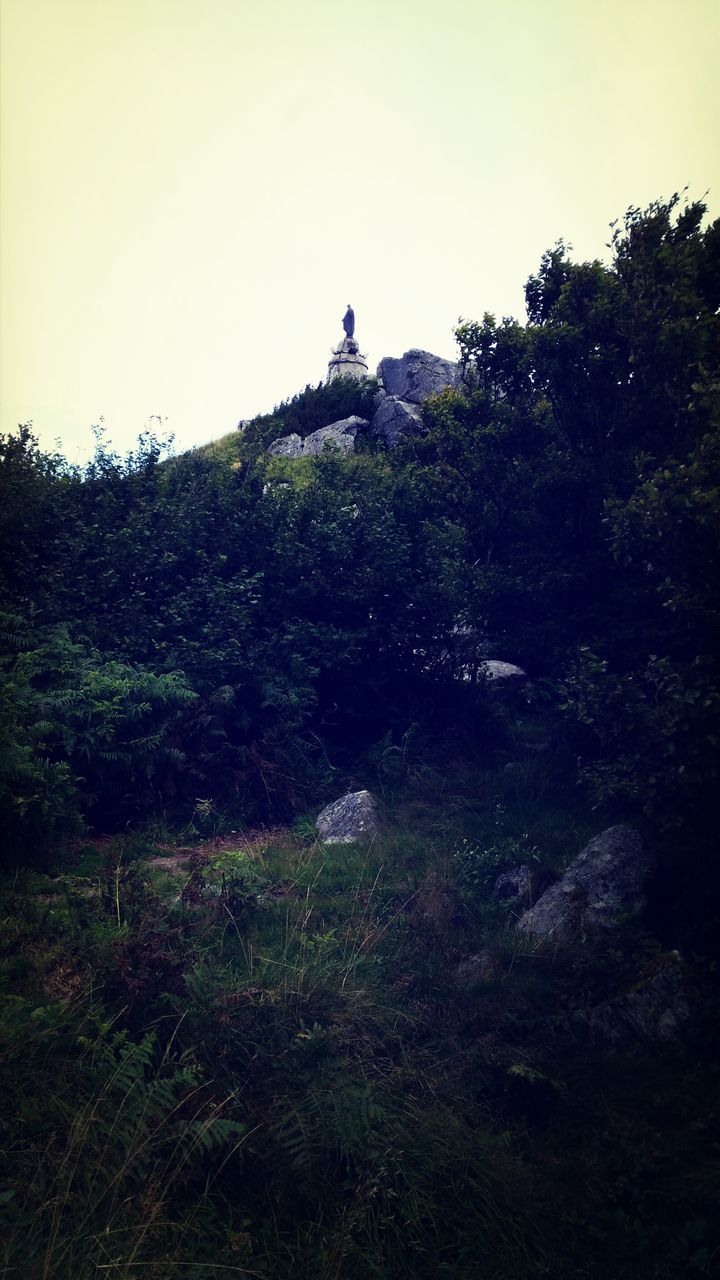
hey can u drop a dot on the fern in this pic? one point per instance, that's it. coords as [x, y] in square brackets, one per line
[132, 1129]
[329, 1132]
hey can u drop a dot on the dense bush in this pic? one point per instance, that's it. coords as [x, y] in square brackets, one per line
[269, 621]
[313, 408]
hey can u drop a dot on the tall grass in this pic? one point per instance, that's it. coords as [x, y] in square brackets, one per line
[269, 1064]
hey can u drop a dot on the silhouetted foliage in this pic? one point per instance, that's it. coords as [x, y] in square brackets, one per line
[561, 512]
[313, 408]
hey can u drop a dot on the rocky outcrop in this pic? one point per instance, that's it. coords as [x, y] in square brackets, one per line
[339, 435]
[652, 1012]
[417, 375]
[405, 382]
[603, 884]
[353, 817]
[394, 419]
[286, 447]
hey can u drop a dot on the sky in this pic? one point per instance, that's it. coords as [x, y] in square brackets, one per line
[191, 191]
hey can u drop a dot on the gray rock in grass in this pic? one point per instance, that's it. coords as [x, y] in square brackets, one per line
[353, 817]
[604, 883]
[652, 1012]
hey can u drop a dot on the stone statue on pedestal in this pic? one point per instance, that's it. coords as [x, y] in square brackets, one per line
[346, 360]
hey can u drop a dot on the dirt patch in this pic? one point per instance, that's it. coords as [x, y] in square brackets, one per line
[248, 841]
[175, 863]
[176, 860]
[65, 981]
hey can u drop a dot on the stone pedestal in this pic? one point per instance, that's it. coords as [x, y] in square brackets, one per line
[346, 361]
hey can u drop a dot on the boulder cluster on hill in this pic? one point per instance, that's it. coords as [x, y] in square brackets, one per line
[404, 384]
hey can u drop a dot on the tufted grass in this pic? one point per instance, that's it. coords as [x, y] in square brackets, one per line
[263, 1062]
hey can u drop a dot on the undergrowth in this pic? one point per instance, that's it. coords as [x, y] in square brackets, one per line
[263, 1061]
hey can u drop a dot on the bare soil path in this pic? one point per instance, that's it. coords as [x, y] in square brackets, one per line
[174, 858]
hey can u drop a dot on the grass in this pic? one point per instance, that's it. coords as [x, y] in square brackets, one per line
[265, 1062]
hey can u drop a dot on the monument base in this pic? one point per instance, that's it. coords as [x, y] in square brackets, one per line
[346, 361]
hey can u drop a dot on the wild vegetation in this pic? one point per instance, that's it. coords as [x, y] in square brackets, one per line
[230, 1049]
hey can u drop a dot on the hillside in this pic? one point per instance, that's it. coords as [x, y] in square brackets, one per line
[235, 1048]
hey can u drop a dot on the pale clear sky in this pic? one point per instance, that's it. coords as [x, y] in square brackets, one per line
[192, 190]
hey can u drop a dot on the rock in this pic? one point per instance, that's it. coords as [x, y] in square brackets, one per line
[497, 672]
[393, 419]
[515, 882]
[417, 375]
[651, 1013]
[604, 882]
[341, 435]
[286, 447]
[498, 675]
[352, 817]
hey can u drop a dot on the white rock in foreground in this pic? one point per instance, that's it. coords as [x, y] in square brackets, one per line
[352, 817]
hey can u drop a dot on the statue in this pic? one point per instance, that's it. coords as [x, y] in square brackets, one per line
[349, 322]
